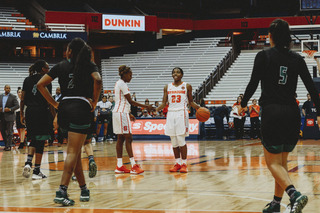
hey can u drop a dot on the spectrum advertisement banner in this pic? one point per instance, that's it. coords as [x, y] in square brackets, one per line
[41, 35]
[156, 127]
[125, 23]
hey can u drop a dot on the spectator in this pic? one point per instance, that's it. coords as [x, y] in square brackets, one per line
[104, 115]
[145, 114]
[20, 127]
[254, 111]
[239, 121]
[295, 96]
[218, 116]
[8, 104]
[308, 107]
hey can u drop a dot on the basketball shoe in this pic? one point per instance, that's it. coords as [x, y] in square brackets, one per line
[122, 169]
[272, 208]
[26, 171]
[298, 202]
[85, 195]
[175, 168]
[92, 168]
[136, 169]
[184, 168]
[62, 198]
[38, 176]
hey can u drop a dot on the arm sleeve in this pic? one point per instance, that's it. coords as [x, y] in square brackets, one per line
[308, 82]
[259, 64]
[124, 88]
[54, 72]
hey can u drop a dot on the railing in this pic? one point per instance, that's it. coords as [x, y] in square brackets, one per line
[215, 75]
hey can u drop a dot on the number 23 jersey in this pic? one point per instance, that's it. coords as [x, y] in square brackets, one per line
[177, 97]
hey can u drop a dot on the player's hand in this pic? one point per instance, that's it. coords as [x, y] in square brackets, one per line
[22, 119]
[56, 105]
[132, 118]
[318, 121]
[240, 109]
[7, 109]
[149, 108]
[0, 109]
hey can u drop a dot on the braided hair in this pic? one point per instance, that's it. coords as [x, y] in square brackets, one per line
[178, 68]
[36, 68]
[123, 69]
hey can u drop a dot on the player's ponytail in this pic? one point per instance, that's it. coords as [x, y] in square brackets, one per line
[123, 69]
[280, 32]
[82, 65]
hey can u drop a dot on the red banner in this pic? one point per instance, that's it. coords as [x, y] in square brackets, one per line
[156, 127]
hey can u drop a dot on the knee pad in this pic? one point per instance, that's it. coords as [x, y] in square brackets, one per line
[174, 141]
[39, 147]
[181, 140]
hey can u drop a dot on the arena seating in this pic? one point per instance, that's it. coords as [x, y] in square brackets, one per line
[237, 77]
[14, 75]
[11, 19]
[152, 70]
[66, 27]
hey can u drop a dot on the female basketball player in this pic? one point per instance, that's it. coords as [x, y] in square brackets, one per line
[36, 117]
[178, 94]
[278, 69]
[20, 127]
[80, 84]
[121, 120]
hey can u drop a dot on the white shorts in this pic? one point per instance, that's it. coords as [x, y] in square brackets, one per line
[177, 123]
[121, 123]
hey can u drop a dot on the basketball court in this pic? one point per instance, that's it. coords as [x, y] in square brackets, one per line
[224, 177]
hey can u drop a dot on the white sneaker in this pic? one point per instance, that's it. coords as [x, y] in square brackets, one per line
[93, 140]
[26, 171]
[38, 176]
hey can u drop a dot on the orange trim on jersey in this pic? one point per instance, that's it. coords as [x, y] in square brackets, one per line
[119, 101]
[125, 102]
[128, 122]
[121, 123]
[178, 85]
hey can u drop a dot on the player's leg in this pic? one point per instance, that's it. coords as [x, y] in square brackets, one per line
[176, 152]
[183, 152]
[37, 174]
[105, 130]
[89, 151]
[28, 164]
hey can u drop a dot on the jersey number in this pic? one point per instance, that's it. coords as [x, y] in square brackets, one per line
[70, 84]
[34, 89]
[176, 99]
[283, 75]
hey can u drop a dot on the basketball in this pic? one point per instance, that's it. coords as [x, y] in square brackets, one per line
[202, 114]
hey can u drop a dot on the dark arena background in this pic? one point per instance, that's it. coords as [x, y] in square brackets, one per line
[215, 43]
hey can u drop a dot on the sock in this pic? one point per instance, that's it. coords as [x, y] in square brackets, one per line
[276, 200]
[119, 162]
[178, 161]
[133, 162]
[36, 169]
[290, 190]
[84, 187]
[63, 189]
[29, 160]
[184, 161]
[90, 157]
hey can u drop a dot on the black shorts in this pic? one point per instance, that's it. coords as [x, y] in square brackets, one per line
[37, 122]
[19, 125]
[104, 118]
[280, 127]
[75, 115]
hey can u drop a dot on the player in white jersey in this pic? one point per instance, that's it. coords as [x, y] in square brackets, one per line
[121, 117]
[178, 94]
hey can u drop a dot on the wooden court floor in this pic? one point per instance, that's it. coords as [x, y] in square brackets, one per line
[224, 177]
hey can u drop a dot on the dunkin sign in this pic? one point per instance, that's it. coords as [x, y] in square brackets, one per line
[126, 23]
[156, 127]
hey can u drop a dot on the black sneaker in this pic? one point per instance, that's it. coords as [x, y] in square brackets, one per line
[85, 195]
[63, 199]
[92, 168]
[298, 202]
[271, 208]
